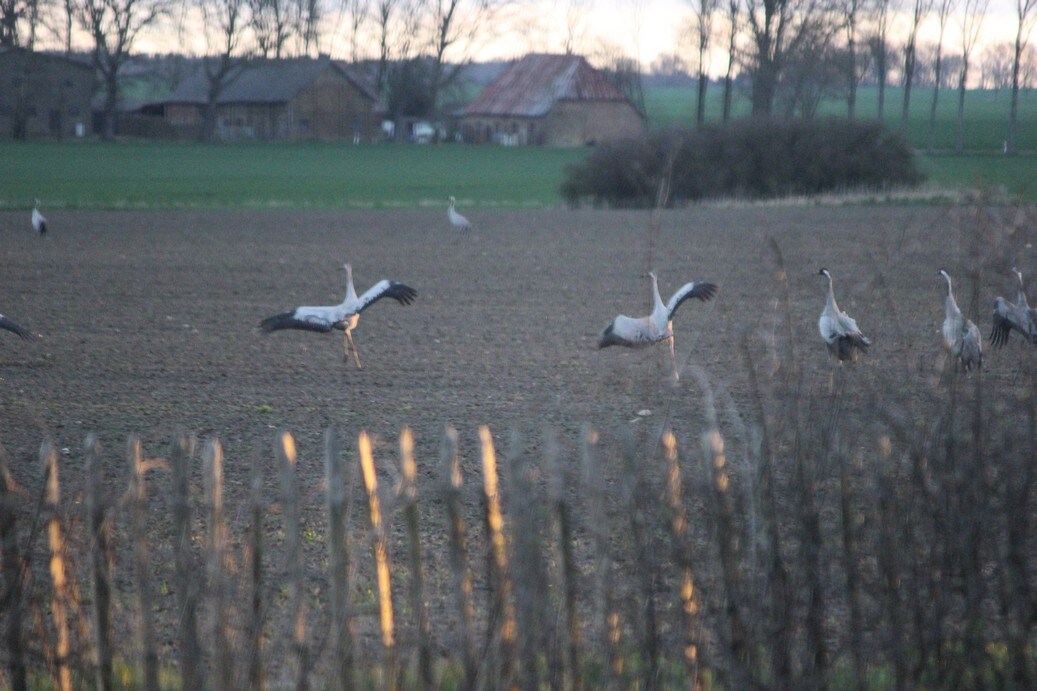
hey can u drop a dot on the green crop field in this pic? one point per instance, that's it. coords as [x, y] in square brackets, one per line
[136, 175]
[156, 175]
[986, 114]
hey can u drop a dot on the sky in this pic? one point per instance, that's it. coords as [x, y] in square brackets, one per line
[642, 29]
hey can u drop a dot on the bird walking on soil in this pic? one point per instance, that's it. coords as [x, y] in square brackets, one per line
[638, 332]
[840, 332]
[961, 336]
[343, 316]
[39, 222]
[458, 221]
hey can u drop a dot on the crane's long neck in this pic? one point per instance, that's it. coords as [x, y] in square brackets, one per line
[657, 301]
[1020, 298]
[350, 290]
[950, 304]
[831, 294]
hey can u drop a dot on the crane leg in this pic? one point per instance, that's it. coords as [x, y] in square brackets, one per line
[673, 359]
[351, 346]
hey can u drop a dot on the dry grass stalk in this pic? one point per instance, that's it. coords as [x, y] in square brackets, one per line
[568, 573]
[381, 557]
[216, 566]
[451, 483]
[594, 491]
[256, 678]
[727, 538]
[186, 582]
[285, 449]
[503, 609]
[141, 557]
[528, 582]
[638, 499]
[59, 586]
[409, 491]
[851, 569]
[682, 554]
[11, 566]
[101, 563]
[339, 562]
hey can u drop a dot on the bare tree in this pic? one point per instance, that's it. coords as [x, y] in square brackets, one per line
[777, 28]
[225, 24]
[272, 26]
[575, 24]
[309, 14]
[852, 11]
[733, 27]
[357, 13]
[996, 65]
[456, 26]
[19, 22]
[972, 15]
[704, 12]
[920, 8]
[943, 13]
[880, 53]
[1025, 15]
[114, 26]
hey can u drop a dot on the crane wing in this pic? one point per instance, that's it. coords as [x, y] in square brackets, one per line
[702, 291]
[399, 292]
[297, 319]
[6, 323]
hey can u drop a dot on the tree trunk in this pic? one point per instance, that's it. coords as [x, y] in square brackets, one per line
[111, 102]
[764, 86]
[936, 96]
[700, 111]
[959, 144]
[909, 73]
[1013, 113]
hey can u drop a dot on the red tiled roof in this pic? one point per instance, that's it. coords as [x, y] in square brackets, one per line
[531, 86]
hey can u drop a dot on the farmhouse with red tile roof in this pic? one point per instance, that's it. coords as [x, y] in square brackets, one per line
[555, 100]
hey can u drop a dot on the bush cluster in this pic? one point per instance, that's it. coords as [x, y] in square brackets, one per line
[753, 158]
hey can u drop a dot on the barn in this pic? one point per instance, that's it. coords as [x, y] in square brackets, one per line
[294, 99]
[553, 100]
[43, 94]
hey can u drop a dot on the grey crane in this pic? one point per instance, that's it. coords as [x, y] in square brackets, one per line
[961, 336]
[838, 329]
[343, 316]
[638, 332]
[457, 220]
[39, 222]
[1013, 316]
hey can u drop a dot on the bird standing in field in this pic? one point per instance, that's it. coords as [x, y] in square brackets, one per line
[840, 332]
[39, 222]
[458, 221]
[1017, 316]
[14, 328]
[638, 332]
[343, 316]
[960, 336]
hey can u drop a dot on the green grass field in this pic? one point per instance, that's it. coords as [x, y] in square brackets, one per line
[146, 175]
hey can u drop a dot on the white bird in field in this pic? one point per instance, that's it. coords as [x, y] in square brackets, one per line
[960, 336]
[639, 332]
[842, 337]
[39, 222]
[9, 325]
[343, 316]
[1009, 316]
[458, 221]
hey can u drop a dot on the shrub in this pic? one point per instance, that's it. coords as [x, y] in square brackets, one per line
[754, 159]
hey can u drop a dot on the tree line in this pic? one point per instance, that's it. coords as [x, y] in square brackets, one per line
[793, 53]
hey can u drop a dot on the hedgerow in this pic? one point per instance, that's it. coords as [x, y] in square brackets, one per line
[752, 158]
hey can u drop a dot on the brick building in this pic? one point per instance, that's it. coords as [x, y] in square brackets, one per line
[295, 99]
[43, 95]
[555, 100]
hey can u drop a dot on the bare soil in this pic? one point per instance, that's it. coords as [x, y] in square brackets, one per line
[148, 325]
